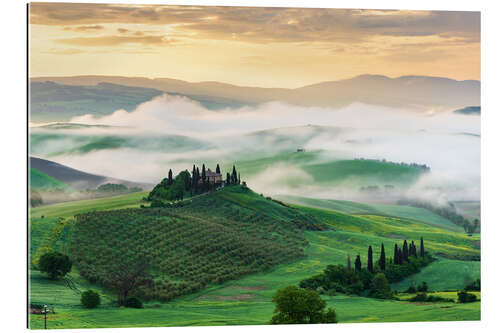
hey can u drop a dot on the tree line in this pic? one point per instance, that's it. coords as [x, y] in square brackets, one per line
[194, 183]
[448, 213]
[374, 279]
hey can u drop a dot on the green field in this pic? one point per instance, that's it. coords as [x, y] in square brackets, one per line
[357, 208]
[247, 300]
[325, 170]
[42, 181]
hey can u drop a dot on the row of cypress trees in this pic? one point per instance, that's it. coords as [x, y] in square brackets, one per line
[401, 255]
[193, 183]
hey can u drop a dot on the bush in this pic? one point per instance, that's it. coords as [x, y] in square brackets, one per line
[423, 287]
[380, 286]
[133, 302]
[55, 264]
[473, 286]
[420, 297]
[465, 297]
[90, 299]
[411, 289]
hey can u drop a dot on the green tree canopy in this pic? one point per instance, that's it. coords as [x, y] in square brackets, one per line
[380, 286]
[301, 306]
[55, 264]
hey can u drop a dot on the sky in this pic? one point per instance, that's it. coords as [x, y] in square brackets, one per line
[250, 46]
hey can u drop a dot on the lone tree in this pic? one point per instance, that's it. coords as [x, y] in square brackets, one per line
[55, 264]
[381, 261]
[126, 276]
[301, 306]
[370, 259]
[357, 263]
[422, 251]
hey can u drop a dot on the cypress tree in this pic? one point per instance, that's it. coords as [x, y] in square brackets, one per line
[381, 261]
[400, 256]
[217, 169]
[422, 246]
[396, 261]
[170, 177]
[357, 263]
[239, 179]
[228, 179]
[370, 259]
[234, 176]
[405, 251]
[193, 177]
[413, 248]
[348, 262]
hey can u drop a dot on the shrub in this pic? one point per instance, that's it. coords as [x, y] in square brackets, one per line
[423, 287]
[90, 299]
[133, 302]
[411, 289]
[380, 286]
[55, 264]
[473, 286]
[420, 297]
[465, 297]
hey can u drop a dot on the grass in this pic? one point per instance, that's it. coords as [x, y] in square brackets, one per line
[351, 207]
[71, 208]
[356, 173]
[444, 274]
[42, 181]
[248, 300]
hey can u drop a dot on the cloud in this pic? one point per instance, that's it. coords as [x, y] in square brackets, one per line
[117, 40]
[440, 140]
[85, 28]
[64, 51]
[265, 25]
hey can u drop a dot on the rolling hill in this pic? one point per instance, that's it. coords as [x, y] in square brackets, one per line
[42, 181]
[414, 92]
[242, 299]
[76, 179]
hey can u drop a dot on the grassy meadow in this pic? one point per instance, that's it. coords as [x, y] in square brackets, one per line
[247, 300]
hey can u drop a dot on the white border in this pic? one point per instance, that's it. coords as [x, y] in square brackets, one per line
[13, 131]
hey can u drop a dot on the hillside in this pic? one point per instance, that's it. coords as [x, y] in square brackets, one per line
[50, 101]
[469, 110]
[74, 178]
[42, 181]
[249, 217]
[416, 92]
[355, 173]
[357, 208]
[210, 239]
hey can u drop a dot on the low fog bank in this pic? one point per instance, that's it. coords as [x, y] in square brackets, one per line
[449, 143]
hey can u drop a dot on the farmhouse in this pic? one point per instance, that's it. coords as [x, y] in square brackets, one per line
[213, 177]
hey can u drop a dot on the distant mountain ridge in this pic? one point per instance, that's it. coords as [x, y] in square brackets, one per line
[469, 110]
[412, 92]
